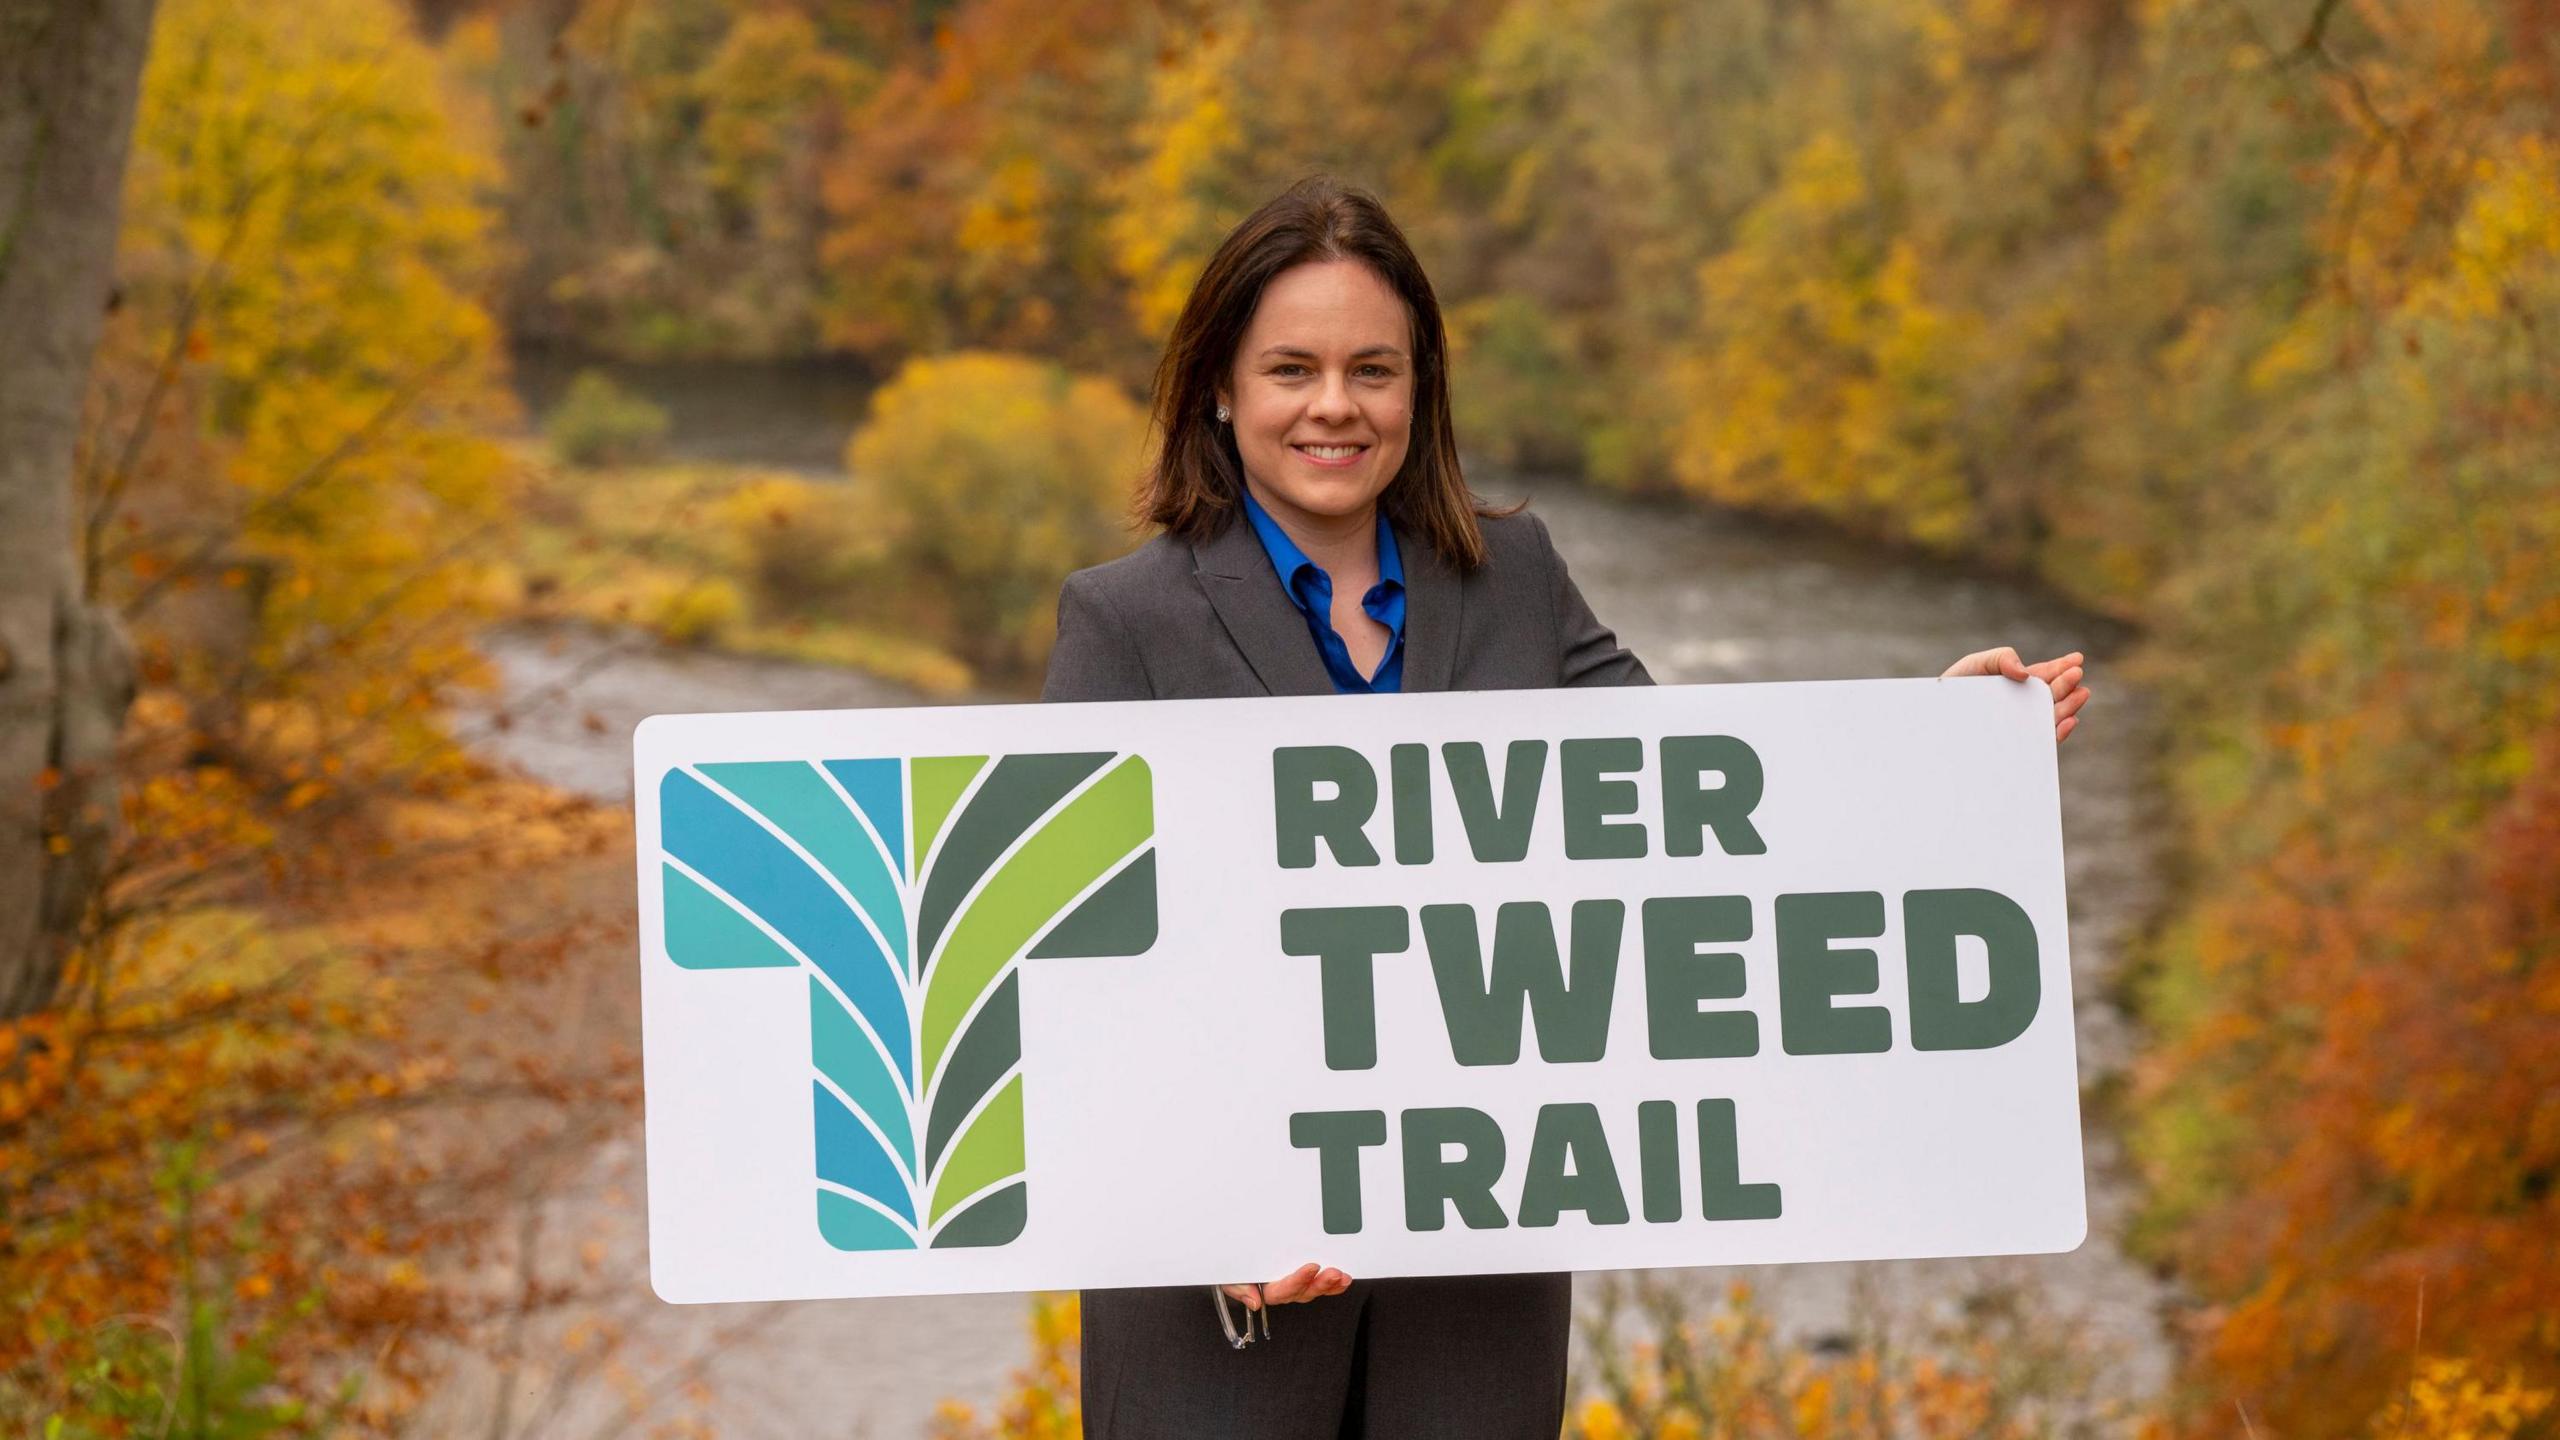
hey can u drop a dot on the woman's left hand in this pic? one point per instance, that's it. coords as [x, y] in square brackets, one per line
[2061, 675]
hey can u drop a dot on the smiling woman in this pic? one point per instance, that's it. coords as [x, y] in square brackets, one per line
[1320, 538]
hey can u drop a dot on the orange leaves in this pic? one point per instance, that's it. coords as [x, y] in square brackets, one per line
[2398, 1113]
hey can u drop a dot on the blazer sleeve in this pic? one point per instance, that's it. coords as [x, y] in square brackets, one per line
[1589, 652]
[1095, 658]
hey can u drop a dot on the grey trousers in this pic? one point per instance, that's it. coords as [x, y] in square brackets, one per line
[1475, 1356]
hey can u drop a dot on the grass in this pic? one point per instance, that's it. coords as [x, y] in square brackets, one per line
[662, 545]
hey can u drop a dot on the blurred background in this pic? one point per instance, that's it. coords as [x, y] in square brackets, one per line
[464, 381]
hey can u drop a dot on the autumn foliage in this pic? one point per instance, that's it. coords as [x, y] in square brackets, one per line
[2232, 317]
[245, 1157]
[2228, 316]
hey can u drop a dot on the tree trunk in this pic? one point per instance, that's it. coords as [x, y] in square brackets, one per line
[70, 74]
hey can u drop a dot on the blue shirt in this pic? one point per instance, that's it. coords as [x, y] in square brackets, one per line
[1311, 590]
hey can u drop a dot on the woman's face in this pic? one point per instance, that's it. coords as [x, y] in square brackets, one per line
[1322, 390]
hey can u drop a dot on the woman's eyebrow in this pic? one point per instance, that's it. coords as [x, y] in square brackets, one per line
[1296, 353]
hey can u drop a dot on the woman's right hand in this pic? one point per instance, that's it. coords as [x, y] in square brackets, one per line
[1308, 1282]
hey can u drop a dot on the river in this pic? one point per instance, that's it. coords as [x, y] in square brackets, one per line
[1702, 596]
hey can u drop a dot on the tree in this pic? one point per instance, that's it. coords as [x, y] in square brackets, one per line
[66, 118]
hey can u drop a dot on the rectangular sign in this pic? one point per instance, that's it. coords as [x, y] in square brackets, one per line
[1016, 997]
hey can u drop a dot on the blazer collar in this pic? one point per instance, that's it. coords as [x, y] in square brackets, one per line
[1432, 602]
[1236, 572]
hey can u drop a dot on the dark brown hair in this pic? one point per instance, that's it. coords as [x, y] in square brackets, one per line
[1195, 486]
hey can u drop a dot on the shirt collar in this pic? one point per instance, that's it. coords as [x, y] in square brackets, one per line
[1289, 562]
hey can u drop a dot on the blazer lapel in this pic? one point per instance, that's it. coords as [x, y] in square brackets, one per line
[1431, 609]
[1236, 572]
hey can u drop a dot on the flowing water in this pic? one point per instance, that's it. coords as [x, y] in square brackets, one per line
[1701, 596]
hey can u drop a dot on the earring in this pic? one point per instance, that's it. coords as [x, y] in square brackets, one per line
[1222, 414]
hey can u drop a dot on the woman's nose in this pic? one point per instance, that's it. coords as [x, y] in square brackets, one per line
[1333, 400]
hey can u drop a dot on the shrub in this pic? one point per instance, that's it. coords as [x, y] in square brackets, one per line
[597, 422]
[695, 612]
[804, 543]
[987, 478]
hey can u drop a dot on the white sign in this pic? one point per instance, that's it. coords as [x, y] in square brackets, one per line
[1030, 997]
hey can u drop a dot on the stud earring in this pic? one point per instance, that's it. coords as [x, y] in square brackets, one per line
[1222, 414]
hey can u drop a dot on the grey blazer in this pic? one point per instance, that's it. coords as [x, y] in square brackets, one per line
[1175, 620]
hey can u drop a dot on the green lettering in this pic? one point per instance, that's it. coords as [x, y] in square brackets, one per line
[1496, 833]
[1689, 809]
[1347, 941]
[1571, 1133]
[1677, 975]
[1433, 1181]
[1725, 1197]
[1810, 973]
[1590, 799]
[1409, 777]
[1484, 1013]
[1940, 1020]
[1300, 818]
[1338, 1137]
[1658, 1159]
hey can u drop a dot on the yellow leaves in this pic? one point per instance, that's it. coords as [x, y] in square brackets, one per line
[1823, 379]
[1004, 222]
[765, 93]
[1170, 209]
[2506, 246]
[305, 196]
[2300, 349]
[693, 612]
[1599, 1420]
[991, 475]
[2452, 1399]
[1044, 1403]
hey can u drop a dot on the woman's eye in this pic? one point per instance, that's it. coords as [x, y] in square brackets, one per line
[1291, 370]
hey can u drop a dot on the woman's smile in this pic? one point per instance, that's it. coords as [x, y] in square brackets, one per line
[1331, 457]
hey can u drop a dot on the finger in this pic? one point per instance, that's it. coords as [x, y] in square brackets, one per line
[1313, 1289]
[2063, 682]
[2070, 704]
[1291, 1287]
[1332, 1282]
[1249, 1295]
[2003, 661]
[2063, 731]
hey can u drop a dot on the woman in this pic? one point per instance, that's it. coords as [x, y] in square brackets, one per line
[1319, 538]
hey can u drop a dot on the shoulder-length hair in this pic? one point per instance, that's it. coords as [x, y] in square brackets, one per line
[1195, 486]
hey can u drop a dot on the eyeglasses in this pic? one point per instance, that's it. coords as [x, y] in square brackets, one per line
[1227, 1320]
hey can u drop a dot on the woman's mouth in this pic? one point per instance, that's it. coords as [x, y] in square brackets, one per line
[1330, 456]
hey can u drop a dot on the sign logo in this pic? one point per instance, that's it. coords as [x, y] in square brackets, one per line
[909, 891]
